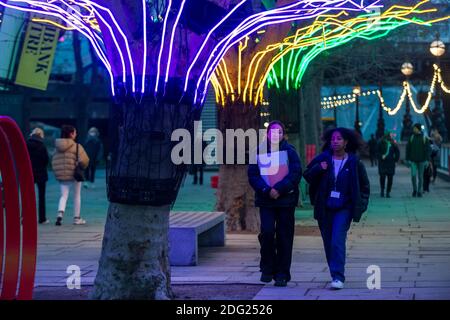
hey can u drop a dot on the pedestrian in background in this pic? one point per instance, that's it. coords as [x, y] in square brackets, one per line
[277, 200]
[417, 156]
[64, 163]
[388, 156]
[436, 143]
[373, 148]
[339, 190]
[39, 163]
[427, 176]
[94, 150]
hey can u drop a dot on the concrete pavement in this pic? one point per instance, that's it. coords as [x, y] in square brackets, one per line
[408, 238]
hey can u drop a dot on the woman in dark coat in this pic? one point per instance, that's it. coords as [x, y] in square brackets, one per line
[276, 202]
[94, 149]
[339, 189]
[388, 156]
[39, 162]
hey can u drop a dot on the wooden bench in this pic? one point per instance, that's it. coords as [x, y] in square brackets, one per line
[189, 230]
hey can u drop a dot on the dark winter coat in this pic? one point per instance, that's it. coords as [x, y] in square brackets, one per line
[39, 158]
[94, 148]
[287, 188]
[321, 184]
[386, 166]
[373, 147]
[418, 148]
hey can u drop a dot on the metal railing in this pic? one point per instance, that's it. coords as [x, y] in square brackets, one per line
[444, 157]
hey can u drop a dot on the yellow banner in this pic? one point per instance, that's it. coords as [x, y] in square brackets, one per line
[37, 54]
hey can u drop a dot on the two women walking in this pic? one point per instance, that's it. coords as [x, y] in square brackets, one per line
[339, 190]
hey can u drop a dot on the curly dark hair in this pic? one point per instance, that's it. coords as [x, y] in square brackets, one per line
[354, 140]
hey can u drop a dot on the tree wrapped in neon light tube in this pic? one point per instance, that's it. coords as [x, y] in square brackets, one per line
[285, 79]
[240, 78]
[160, 56]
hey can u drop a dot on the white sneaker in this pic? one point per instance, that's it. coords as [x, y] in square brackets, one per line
[45, 222]
[337, 285]
[79, 221]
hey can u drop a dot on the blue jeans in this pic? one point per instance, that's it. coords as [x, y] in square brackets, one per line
[276, 239]
[334, 228]
[417, 169]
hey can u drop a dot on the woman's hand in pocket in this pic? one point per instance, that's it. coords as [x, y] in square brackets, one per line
[274, 194]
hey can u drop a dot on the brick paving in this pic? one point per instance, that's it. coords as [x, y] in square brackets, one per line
[408, 238]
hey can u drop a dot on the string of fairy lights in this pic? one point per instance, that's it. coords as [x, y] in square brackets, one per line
[335, 101]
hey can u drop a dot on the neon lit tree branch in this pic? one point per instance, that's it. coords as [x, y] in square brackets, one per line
[124, 48]
[290, 58]
[240, 77]
[295, 58]
[160, 56]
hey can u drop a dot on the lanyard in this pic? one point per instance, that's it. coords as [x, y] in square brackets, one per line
[339, 171]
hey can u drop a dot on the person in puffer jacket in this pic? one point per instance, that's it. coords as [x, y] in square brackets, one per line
[64, 162]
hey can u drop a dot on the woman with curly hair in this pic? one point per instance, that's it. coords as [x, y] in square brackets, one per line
[339, 189]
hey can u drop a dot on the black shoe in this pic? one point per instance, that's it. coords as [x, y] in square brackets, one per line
[266, 278]
[419, 194]
[58, 221]
[280, 283]
[388, 195]
[382, 194]
[414, 194]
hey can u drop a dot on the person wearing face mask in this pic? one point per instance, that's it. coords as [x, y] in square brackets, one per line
[339, 190]
[39, 163]
[277, 194]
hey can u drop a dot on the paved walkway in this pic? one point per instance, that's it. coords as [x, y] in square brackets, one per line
[408, 238]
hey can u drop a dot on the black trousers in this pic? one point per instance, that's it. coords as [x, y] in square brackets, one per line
[390, 180]
[427, 175]
[276, 239]
[41, 196]
[90, 172]
[373, 160]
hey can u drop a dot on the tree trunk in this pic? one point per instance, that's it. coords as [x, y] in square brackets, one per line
[310, 100]
[142, 184]
[235, 196]
[134, 263]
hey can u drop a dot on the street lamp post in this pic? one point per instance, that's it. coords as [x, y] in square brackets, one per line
[335, 117]
[380, 122]
[407, 70]
[437, 49]
[357, 92]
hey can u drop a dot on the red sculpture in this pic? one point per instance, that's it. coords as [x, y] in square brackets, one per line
[18, 215]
